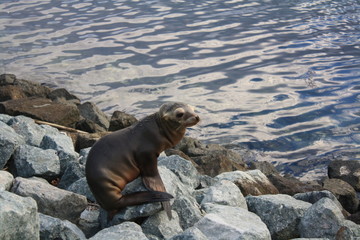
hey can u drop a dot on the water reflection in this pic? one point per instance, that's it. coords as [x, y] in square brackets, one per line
[279, 76]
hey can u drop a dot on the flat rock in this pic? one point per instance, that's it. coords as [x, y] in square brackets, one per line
[227, 222]
[9, 141]
[348, 171]
[51, 200]
[33, 161]
[6, 180]
[42, 109]
[344, 192]
[160, 226]
[54, 228]
[123, 231]
[281, 213]
[252, 182]
[224, 192]
[18, 217]
[322, 219]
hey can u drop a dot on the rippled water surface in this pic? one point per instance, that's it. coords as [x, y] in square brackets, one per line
[282, 77]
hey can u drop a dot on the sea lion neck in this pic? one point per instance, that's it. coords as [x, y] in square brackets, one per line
[173, 131]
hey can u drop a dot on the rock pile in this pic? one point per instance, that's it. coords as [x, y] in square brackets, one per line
[44, 193]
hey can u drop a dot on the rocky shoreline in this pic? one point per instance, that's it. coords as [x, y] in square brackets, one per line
[47, 133]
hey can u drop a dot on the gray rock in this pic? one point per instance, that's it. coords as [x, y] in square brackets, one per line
[73, 172]
[313, 197]
[91, 112]
[89, 221]
[160, 226]
[281, 213]
[5, 118]
[184, 169]
[18, 217]
[227, 222]
[33, 161]
[348, 231]
[26, 127]
[84, 153]
[81, 187]
[252, 182]
[172, 183]
[6, 180]
[322, 219]
[188, 210]
[124, 231]
[51, 200]
[190, 234]
[206, 181]
[54, 228]
[225, 192]
[9, 141]
[62, 144]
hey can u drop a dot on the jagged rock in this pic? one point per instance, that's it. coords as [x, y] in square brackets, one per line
[290, 185]
[120, 120]
[344, 192]
[211, 159]
[188, 211]
[224, 192]
[23, 87]
[322, 219]
[72, 173]
[81, 187]
[33, 161]
[124, 231]
[313, 197]
[26, 127]
[89, 221]
[18, 217]
[186, 172]
[63, 145]
[84, 153]
[227, 222]
[91, 112]
[63, 96]
[348, 231]
[54, 228]
[281, 213]
[42, 109]
[6, 180]
[348, 171]
[9, 141]
[252, 182]
[89, 126]
[51, 200]
[160, 226]
[190, 234]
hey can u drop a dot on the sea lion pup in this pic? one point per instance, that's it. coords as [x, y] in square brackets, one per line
[120, 157]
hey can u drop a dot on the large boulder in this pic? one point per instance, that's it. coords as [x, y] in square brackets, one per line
[252, 182]
[91, 112]
[9, 141]
[42, 109]
[348, 171]
[124, 231]
[54, 228]
[18, 217]
[33, 161]
[281, 213]
[51, 200]
[322, 220]
[227, 222]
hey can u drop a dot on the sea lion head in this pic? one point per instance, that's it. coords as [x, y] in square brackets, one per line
[179, 115]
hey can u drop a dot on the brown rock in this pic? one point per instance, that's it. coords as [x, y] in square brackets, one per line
[42, 109]
[84, 140]
[9, 92]
[344, 192]
[289, 185]
[63, 96]
[120, 120]
[348, 171]
[88, 126]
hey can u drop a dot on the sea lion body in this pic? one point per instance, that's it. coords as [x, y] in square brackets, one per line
[120, 157]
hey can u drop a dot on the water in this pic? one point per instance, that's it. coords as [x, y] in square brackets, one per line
[281, 77]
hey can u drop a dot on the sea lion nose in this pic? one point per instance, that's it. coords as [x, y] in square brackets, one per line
[197, 118]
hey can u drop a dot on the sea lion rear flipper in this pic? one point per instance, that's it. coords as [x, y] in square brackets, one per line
[138, 198]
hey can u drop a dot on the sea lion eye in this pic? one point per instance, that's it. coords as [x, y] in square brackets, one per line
[179, 115]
